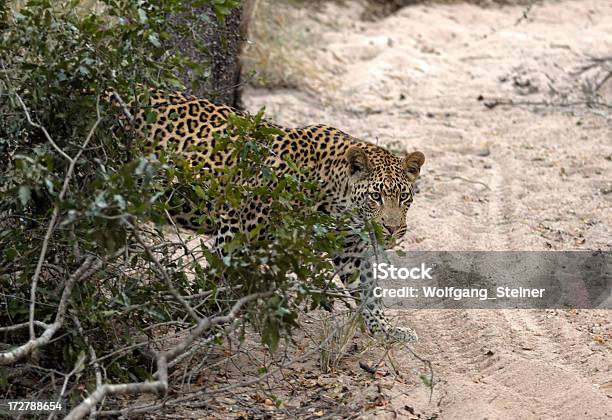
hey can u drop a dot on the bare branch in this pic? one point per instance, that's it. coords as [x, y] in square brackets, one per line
[156, 387]
[207, 323]
[161, 385]
[16, 327]
[164, 274]
[92, 356]
[124, 107]
[84, 271]
[41, 260]
[41, 128]
[54, 216]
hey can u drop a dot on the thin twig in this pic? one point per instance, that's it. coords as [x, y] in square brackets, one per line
[85, 270]
[41, 128]
[525, 14]
[94, 361]
[471, 181]
[124, 107]
[490, 104]
[16, 327]
[164, 274]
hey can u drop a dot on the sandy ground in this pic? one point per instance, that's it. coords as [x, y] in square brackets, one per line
[534, 175]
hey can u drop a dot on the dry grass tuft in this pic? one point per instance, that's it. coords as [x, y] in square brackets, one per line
[276, 55]
[342, 329]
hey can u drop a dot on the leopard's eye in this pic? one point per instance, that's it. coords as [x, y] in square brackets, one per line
[404, 196]
[375, 196]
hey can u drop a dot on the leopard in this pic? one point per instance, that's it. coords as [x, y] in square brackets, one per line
[355, 177]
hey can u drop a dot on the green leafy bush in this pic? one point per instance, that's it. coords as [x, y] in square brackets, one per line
[78, 200]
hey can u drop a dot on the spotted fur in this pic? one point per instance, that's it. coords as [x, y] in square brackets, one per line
[355, 176]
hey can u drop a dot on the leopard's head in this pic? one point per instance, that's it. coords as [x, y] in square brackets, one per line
[381, 186]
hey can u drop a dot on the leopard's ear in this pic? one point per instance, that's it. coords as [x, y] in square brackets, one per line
[359, 164]
[413, 162]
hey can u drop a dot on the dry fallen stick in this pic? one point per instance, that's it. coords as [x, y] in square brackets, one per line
[493, 103]
[468, 180]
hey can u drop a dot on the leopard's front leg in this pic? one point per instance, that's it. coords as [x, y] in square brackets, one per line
[355, 260]
[372, 308]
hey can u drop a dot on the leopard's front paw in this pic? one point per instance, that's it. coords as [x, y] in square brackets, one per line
[382, 327]
[404, 335]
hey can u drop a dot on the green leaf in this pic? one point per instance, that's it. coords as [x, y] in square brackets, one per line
[25, 194]
[426, 379]
[154, 39]
[150, 117]
[120, 201]
[49, 185]
[142, 16]
[199, 191]
[10, 253]
[101, 200]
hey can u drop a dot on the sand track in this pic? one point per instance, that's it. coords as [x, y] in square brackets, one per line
[527, 177]
[513, 364]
